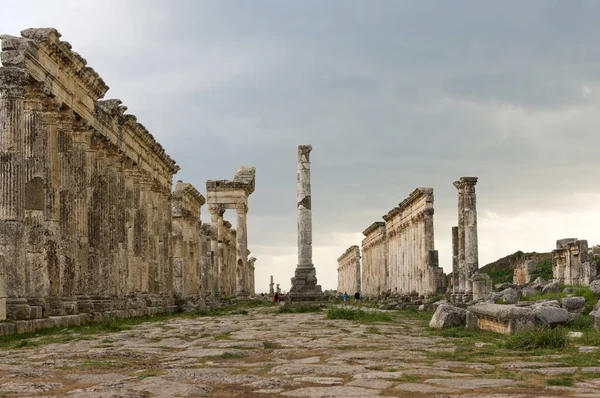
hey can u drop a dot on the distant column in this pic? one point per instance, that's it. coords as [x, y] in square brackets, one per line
[241, 251]
[470, 228]
[459, 289]
[271, 284]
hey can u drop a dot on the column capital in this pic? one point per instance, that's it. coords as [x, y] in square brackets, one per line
[304, 149]
[241, 207]
[217, 209]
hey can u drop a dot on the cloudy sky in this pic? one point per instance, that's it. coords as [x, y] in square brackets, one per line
[392, 95]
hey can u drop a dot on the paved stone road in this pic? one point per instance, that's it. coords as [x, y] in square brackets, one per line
[272, 355]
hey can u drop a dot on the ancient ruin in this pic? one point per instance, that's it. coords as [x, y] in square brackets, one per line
[304, 284]
[271, 284]
[572, 264]
[375, 271]
[349, 271]
[464, 241]
[524, 271]
[223, 195]
[89, 227]
[399, 255]
[412, 259]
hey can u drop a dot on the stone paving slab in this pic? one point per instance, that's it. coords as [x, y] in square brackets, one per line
[273, 355]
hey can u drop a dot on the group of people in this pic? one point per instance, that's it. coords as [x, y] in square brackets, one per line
[356, 297]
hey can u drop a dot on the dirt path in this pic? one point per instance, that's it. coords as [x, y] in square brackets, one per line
[265, 353]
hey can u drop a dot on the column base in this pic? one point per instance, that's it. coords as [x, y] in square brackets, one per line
[304, 288]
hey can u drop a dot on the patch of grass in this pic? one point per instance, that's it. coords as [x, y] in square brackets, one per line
[286, 309]
[372, 330]
[457, 332]
[590, 297]
[232, 355]
[148, 373]
[223, 336]
[269, 345]
[560, 381]
[107, 341]
[538, 338]
[357, 315]
[104, 364]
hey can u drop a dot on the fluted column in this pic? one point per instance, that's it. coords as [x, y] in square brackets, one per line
[12, 191]
[470, 228]
[455, 269]
[241, 250]
[460, 289]
[216, 219]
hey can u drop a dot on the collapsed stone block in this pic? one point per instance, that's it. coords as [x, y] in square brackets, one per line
[447, 316]
[574, 304]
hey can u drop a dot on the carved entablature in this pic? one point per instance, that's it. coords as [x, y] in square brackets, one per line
[39, 66]
[352, 251]
[187, 201]
[376, 225]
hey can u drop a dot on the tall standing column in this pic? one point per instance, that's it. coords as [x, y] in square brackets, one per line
[241, 251]
[460, 290]
[470, 228]
[216, 217]
[12, 191]
[455, 270]
[304, 284]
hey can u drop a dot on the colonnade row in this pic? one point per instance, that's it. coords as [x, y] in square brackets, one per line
[88, 221]
[398, 254]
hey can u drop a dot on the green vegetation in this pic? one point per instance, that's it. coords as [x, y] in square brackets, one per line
[288, 309]
[502, 270]
[560, 381]
[232, 355]
[544, 271]
[538, 338]
[582, 291]
[269, 345]
[357, 315]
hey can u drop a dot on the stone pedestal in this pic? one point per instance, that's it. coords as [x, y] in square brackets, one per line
[304, 283]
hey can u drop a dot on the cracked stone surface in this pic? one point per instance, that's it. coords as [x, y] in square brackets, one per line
[268, 354]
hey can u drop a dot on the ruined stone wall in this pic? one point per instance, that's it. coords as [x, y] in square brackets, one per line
[571, 262]
[412, 259]
[187, 275]
[524, 271]
[85, 211]
[375, 273]
[349, 271]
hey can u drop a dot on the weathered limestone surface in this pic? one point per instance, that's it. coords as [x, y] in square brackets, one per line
[375, 270]
[187, 249]
[88, 223]
[468, 253]
[223, 195]
[524, 271]
[412, 259]
[572, 264]
[349, 271]
[304, 283]
[85, 214]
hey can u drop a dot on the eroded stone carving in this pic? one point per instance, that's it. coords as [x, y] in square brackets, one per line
[572, 264]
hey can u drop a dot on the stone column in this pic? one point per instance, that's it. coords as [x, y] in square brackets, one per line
[271, 284]
[470, 231]
[216, 219]
[459, 289]
[251, 281]
[12, 190]
[455, 269]
[304, 284]
[241, 251]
